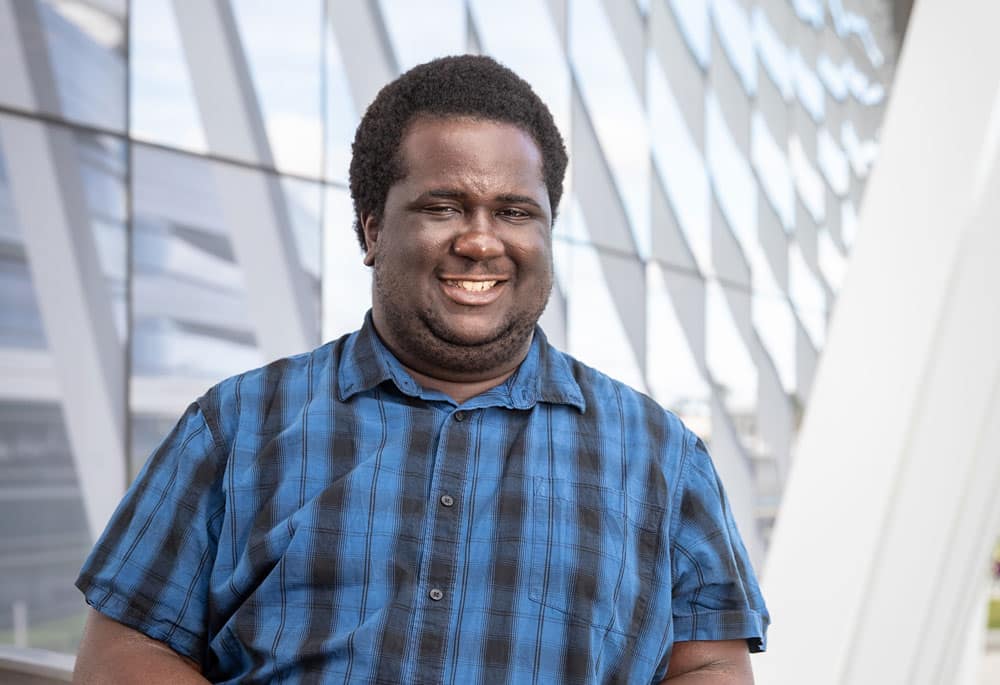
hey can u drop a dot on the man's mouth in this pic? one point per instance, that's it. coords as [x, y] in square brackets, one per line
[473, 286]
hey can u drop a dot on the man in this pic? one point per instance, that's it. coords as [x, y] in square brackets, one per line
[440, 496]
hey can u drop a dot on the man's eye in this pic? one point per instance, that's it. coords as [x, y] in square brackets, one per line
[513, 213]
[440, 209]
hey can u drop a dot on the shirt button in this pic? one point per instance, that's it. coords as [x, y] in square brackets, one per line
[460, 416]
[436, 594]
[447, 500]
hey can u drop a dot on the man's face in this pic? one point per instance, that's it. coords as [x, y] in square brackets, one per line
[462, 252]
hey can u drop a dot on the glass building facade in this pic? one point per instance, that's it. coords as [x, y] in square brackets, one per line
[174, 209]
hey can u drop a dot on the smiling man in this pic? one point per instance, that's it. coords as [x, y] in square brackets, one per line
[441, 496]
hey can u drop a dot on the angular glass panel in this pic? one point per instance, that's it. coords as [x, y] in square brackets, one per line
[203, 293]
[346, 280]
[848, 223]
[861, 154]
[773, 52]
[191, 317]
[832, 76]
[775, 325]
[808, 181]
[596, 333]
[615, 109]
[733, 372]
[808, 87]
[732, 178]
[286, 76]
[832, 261]
[807, 295]
[771, 162]
[693, 18]
[810, 11]
[421, 31]
[163, 108]
[679, 162]
[833, 162]
[44, 532]
[672, 369]
[737, 40]
[79, 72]
[342, 113]
[850, 24]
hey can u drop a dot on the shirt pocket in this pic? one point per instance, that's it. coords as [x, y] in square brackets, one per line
[594, 554]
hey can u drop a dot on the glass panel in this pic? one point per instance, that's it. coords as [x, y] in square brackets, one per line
[194, 321]
[693, 19]
[808, 182]
[421, 31]
[848, 223]
[44, 535]
[850, 24]
[833, 77]
[775, 325]
[769, 158]
[286, 76]
[615, 109]
[737, 40]
[596, 333]
[831, 260]
[79, 73]
[807, 295]
[773, 52]
[163, 108]
[342, 113]
[679, 162]
[861, 154]
[810, 11]
[732, 178]
[808, 87]
[346, 280]
[672, 369]
[833, 162]
[733, 371]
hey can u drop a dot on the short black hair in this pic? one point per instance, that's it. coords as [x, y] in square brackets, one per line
[463, 85]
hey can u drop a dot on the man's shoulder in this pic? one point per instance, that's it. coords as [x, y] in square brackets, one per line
[605, 394]
[263, 398]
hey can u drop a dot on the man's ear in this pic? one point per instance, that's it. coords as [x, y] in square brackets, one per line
[370, 227]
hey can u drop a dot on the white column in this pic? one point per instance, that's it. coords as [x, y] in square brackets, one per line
[253, 203]
[890, 509]
[47, 191]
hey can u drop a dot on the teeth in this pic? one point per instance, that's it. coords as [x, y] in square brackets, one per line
[475, 286]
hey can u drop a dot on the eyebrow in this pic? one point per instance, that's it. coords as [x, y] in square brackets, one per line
[447, 194]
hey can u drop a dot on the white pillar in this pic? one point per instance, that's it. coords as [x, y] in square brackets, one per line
[49, 199]
[283, 307]
[890, 509]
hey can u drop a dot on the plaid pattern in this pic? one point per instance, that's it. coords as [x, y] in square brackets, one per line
[325, 519]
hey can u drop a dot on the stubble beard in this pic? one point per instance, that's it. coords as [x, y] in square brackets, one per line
[426, 338]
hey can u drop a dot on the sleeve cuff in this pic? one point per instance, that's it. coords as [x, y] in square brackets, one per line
[147, 622]
[723, 625]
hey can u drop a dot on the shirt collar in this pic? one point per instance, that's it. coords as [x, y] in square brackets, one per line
[544, 375]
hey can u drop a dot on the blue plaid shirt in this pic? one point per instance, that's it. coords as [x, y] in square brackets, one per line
[326, 519]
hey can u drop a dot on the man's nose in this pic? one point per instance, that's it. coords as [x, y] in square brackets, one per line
[478, 239]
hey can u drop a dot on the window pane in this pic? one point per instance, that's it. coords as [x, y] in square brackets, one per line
[79, 71]
[62, 365]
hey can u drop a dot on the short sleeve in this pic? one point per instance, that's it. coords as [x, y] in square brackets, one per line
[715, 592]
[150, 568]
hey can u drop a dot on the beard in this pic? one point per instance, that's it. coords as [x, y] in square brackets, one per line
[427, 339]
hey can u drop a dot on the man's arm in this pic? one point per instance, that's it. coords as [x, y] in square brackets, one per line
[111, 653]
[723, 662]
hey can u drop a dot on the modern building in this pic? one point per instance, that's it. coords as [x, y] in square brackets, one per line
[174, 209]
